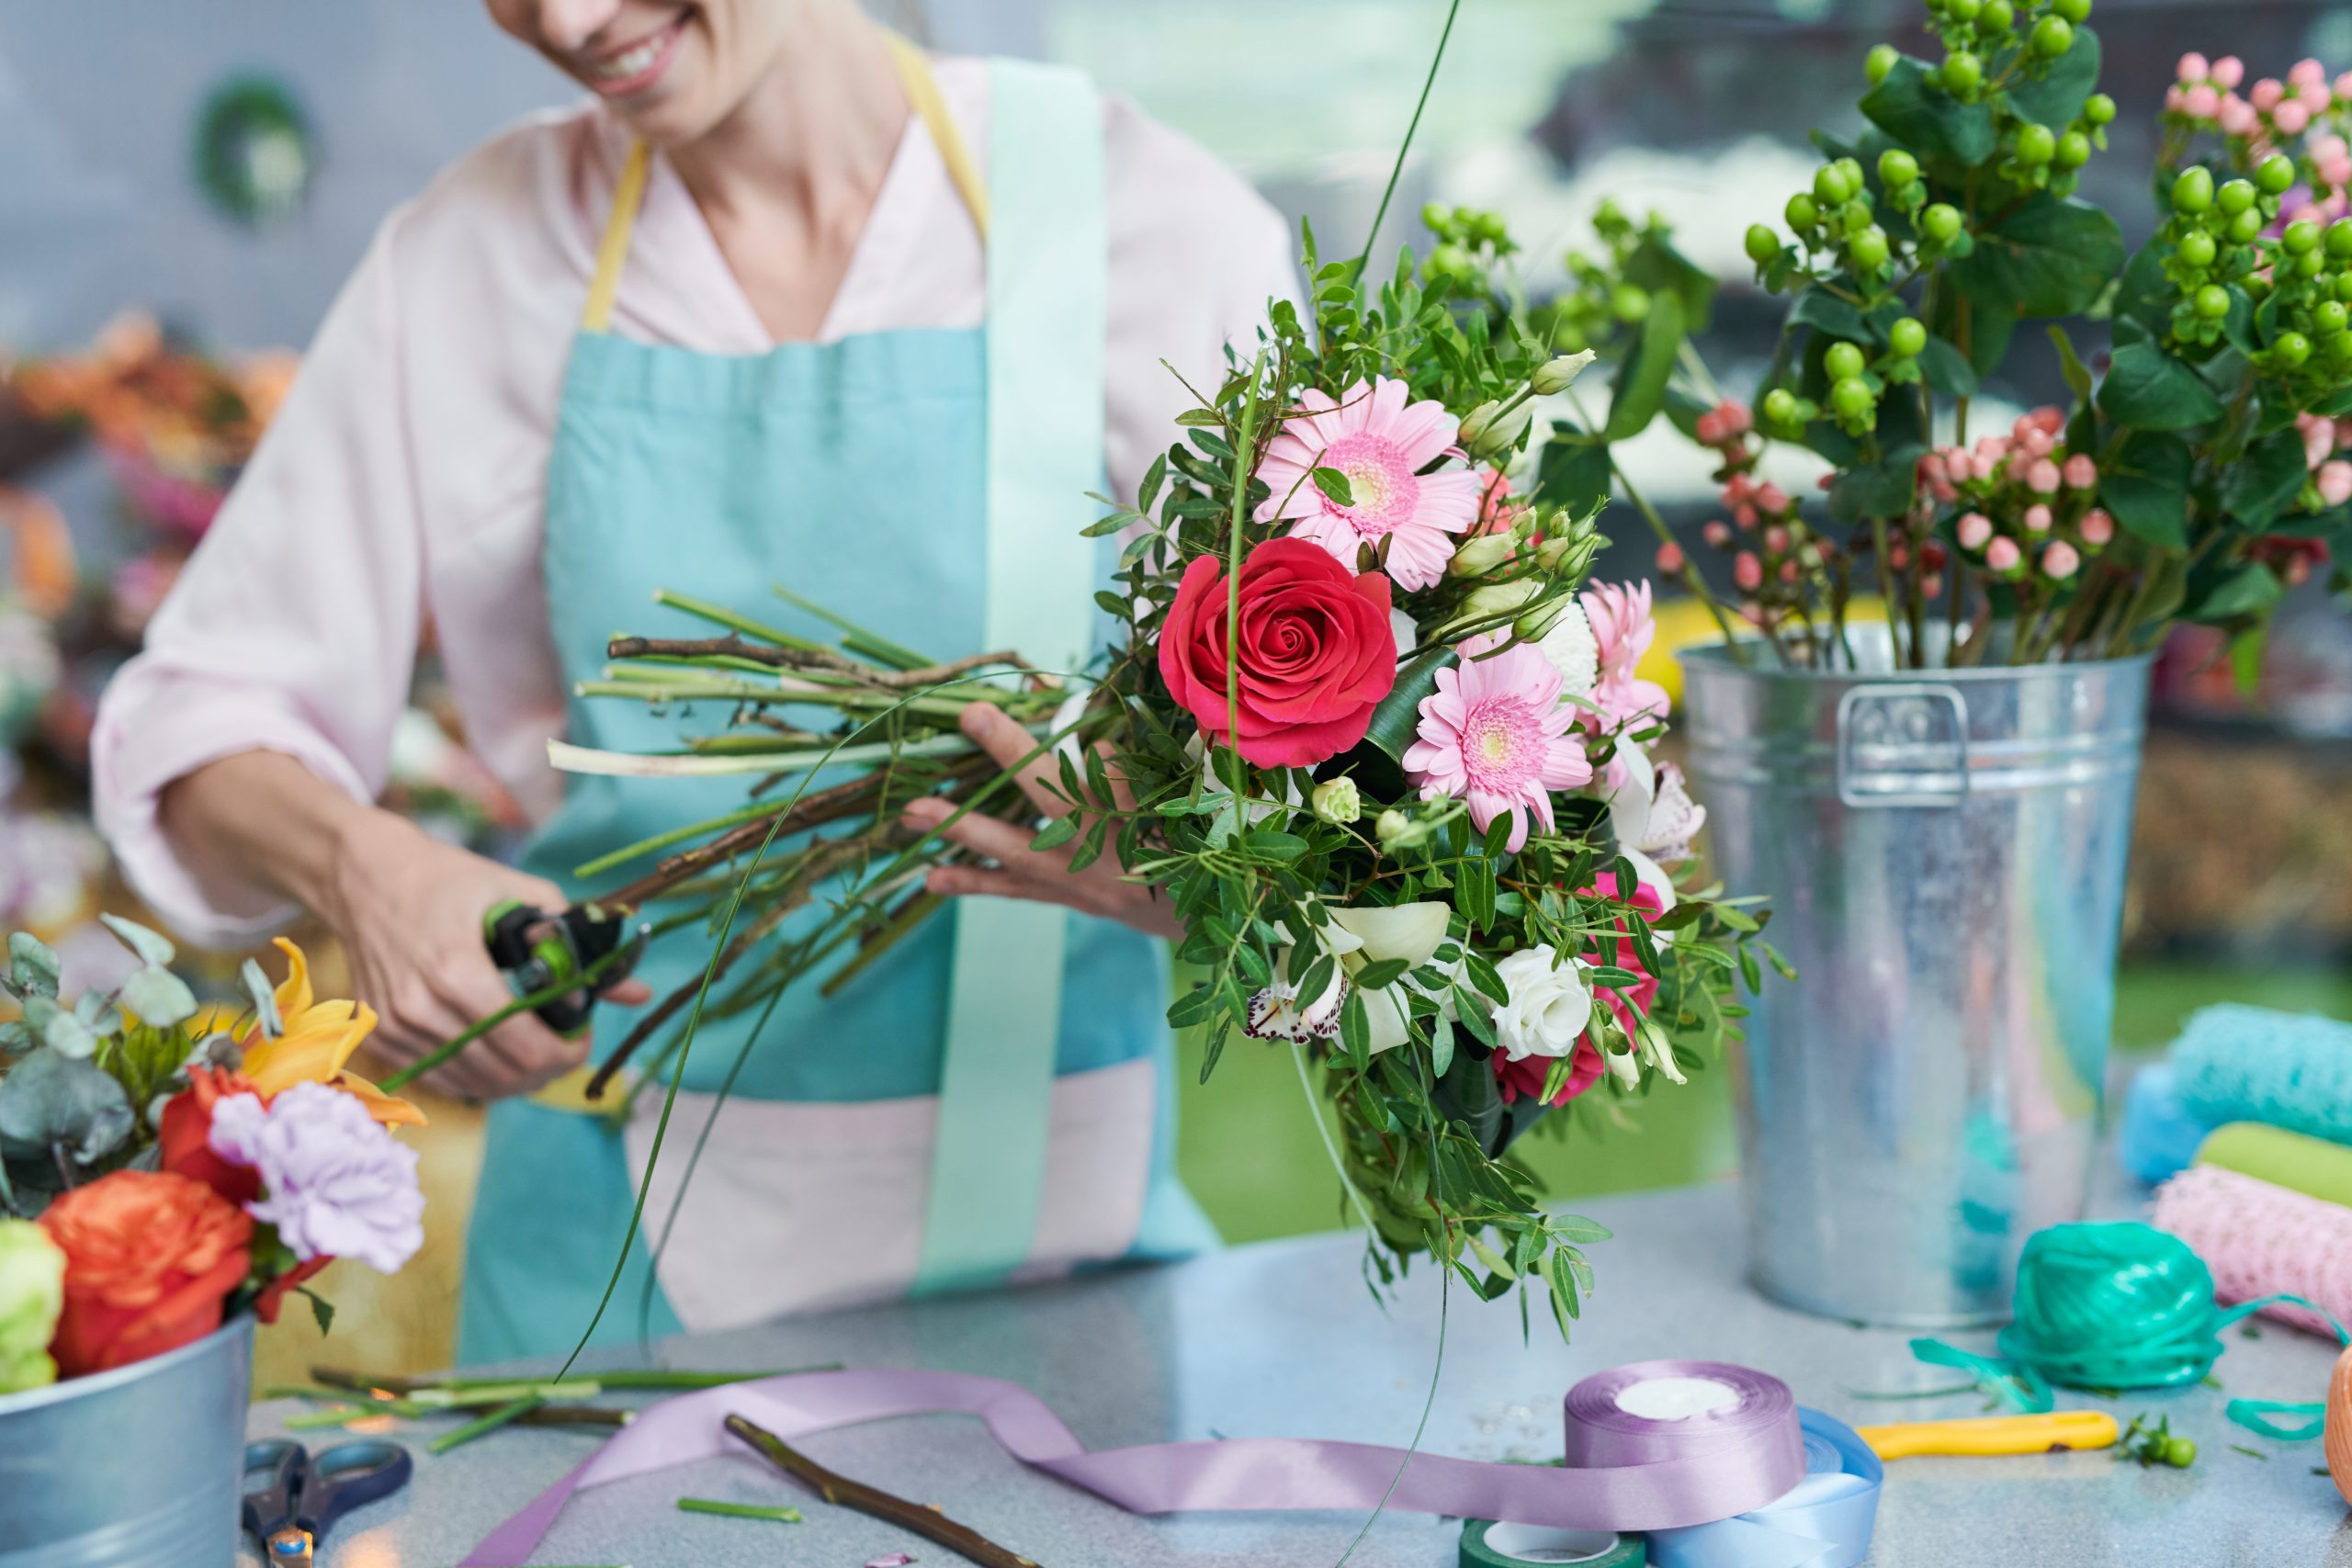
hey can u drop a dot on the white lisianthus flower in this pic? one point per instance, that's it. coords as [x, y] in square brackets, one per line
[1254, 810]
[1574, 652]
[1405, 629]
[1659, 1051]
[1551, 1003]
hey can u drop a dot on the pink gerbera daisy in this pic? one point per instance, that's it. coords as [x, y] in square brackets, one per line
[1496, 735]
[1381, 443]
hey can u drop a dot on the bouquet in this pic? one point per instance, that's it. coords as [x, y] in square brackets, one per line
[2199, 471]
[1361, 719]
[163, 1169]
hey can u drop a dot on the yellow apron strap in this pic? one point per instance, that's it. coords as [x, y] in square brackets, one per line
[613, 250]
[914, 74]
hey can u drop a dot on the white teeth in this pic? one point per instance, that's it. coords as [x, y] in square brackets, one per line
[637, 60]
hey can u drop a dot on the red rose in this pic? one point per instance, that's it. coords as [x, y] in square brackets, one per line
[1316, 652]
[184, 1136]
[150, 1258]
[1526, 1076]
[1632, 1004]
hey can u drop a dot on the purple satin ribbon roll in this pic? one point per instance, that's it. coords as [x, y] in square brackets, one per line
[1625, 1471]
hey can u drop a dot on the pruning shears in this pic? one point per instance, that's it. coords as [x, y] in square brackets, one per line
[537, 949]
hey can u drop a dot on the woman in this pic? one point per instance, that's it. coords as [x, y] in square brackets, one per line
[782, 304]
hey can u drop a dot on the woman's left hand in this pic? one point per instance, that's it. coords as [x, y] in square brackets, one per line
[1020, 872]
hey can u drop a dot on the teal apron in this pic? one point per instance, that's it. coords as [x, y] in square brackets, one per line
[868, 475]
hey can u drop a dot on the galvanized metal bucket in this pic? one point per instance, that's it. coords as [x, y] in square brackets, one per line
[1944, 852]
[141, 1467]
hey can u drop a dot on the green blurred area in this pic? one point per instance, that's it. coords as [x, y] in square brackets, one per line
[1250, 1154]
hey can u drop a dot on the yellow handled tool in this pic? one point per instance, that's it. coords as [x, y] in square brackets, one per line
[1994, 1435]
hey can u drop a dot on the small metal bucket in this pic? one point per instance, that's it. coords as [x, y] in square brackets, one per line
[141, 1467]
[1944, 853]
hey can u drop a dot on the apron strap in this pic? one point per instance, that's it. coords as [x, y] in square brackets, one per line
[1047, 257]
[628, 191]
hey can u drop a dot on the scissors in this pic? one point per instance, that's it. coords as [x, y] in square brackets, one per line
[291, 1498]
[536, 949]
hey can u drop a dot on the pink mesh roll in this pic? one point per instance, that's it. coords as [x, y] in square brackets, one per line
[2262, 1240]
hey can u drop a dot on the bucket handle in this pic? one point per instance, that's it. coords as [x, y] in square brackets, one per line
[1889, 752]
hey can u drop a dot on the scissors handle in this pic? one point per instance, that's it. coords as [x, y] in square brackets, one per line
[349, 1475]
[1994, 1435]
[272, 1486]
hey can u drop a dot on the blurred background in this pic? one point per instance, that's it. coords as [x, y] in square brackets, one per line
[187, 187]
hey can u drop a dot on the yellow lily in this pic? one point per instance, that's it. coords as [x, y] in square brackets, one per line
[318, 1039]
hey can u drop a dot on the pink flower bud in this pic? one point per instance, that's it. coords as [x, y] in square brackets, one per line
[1990, 449]
[1960, 465]
[2060, 560]
[2306, 73]
[1932, 467]
[1788, 571]
[1718, 534]
[2290, 117]
[2194, 67]
[2097, 526]
[2001, 555]
[1942, 490]
[1933, 587]
[1776, 539]
[2176, 100]
[2334, 482]
[2228, 71]
[2314, 96]
[1670, 558]
[2235, 116]
[1973, 530]
[2080, 472]
[2036, 442]
[1770, 497]
[2037, 518]
[2330, 147]
[2319, 435]
[2043, 477]
[1747, 572]
[1710, 432]
[1898, 557]
[2265, 95]
[2343, 85]
[2050, 417]
[2200, 101]
[1744, 516]
[2337, 172]
[1736, 416]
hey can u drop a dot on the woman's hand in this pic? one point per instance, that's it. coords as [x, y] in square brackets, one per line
[409, 909]
[1101, 888]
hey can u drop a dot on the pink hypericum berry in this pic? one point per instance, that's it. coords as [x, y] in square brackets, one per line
[1973, 530]
[2314, 96]
[1942, 490]
[1898, 557]
[2080, 472]
[2291, 117]
[2200, 101]
[2097, 526]
[1788, 571]
[1933, 587]
[2043, 477]
[2334, 482]
[2228, 71]
[1932, 554]
[1709, 430]
[2265, 95]
[1747, 572]
[1776, 539]
[2037, 518]
[1744, 516]
[2194, 67]
[2343, 85]
[1670, 558]
[1738, 488]
[2176, 100]
[1960, 465]
[1718, 534]
[1751, 612]
[2319, 434]
[2001, 555]
[2328, 147]
[2036, 442]
[2235, 116]
[2060, 560]
[2337, 172]
[2305, 71]
[2050, 417]
[1770, 497]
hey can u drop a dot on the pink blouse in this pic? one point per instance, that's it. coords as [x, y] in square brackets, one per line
[403, 477]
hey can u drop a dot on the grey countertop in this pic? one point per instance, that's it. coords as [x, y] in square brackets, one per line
[1282, 1338]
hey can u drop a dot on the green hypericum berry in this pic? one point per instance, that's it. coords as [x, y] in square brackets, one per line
[2074, 149]
[2052, 35]
[2339, 238]
[2075, 11]
[1869, 248]
[1964, 10]
[2299, 237]
[1897, 169]
[2330, 316]
[1997, 16]
[1878, 62]
[2036, 144]
[2180, 1452]
[1853, 399]
[2339, 348]
[1907, 337]
[2292, 348]
[1489, 227]
[2193, 192]
[1829, 186]
[1852, 169]
[1942, 222]
[2212, 301]
[2236, 197]
[1433, 217]
[2311, 264]
[1629, 303]
[1451, 260]
[1856, 215]
[2247, 227]
[2275, 173]
[1780, 407]
[1801, 212]
[1762, 243]
[2098, 108]
[1843, 361]
[1963, 73]
[2196, 249]
[2344, 286]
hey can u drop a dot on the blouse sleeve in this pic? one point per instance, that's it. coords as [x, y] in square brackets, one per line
[294, 627]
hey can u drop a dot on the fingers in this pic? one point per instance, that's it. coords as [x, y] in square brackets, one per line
[967, 881]
[984, 836]
[629, 993]
[1008, 743]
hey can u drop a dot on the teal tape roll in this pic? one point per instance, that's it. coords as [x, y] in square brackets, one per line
[1485, 1544]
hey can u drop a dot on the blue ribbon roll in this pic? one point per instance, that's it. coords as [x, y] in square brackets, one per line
[1823, 1522]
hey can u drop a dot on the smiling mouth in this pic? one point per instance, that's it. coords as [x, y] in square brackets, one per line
[635, 66]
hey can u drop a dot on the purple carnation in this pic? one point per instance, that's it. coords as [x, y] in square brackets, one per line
[333, 1182]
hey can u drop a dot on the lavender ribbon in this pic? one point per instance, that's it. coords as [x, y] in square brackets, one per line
[1624, 1472]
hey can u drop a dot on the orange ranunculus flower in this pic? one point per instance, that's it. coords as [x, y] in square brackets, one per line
[318, 1039]
[150, 1258]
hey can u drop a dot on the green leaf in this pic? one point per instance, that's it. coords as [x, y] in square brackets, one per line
[2070, 364]
[1056, 833]
[2146, 487]
[1153, 478]
[2147, 389]
[1908, 106]
[159, 997]
[1355, 1030]
[1475, 892]
[1880, 490]
[1399, 717]
[1334, 484]
[321, 1309]
[48, 1098]
[2252, 590]
[1947, 369]
[1202, 419]
[2259, 485]
[1816, 307]
[1576, 1228]
[1379, 976]
[2052, 256]
[1575, 475]
[1440, 1045]
[1483, 976]
[1656, 267]
[2056, 99]
[33, 967]
[1640, 388]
